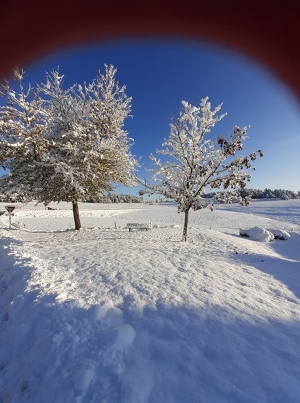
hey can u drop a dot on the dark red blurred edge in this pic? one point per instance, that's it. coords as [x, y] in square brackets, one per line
[267, 31]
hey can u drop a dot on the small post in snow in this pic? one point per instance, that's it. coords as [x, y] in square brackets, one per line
[10, 210]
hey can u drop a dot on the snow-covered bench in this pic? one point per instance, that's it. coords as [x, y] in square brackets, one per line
[138, 226]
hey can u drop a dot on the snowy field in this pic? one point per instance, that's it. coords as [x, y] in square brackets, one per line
[104, 315]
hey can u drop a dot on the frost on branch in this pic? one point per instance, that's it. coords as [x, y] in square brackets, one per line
[193, 162]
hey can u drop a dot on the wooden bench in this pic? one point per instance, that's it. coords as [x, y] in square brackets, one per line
[138, 226]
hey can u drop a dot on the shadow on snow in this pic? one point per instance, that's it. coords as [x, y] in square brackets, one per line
[54, 351]
[285, 268]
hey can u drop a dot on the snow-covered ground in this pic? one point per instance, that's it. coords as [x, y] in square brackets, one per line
[104, 315]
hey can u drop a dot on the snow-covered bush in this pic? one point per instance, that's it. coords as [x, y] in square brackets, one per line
[280, 234]
[257, 234]
[264, 235]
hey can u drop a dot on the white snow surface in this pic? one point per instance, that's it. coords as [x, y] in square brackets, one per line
[111, 316]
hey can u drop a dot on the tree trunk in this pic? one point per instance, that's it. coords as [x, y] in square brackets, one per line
[185, 226]
[76, 215]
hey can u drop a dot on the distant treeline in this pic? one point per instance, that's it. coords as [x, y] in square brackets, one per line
[116, 198]
[124, 198]
[110, 198]
[252, 193]
[265, 194]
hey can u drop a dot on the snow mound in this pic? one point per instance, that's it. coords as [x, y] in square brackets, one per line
[280, 234]
[257, 234]
[264, 235]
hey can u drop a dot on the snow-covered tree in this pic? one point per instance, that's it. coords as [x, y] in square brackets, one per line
[23, 138]
[90, 148]
[269, 194]
[197, 162]
[83, 148]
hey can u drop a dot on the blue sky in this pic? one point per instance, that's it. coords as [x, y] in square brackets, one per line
[159, 74]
